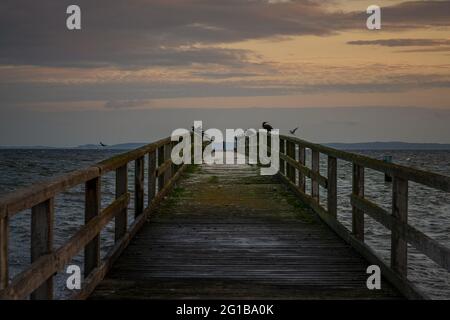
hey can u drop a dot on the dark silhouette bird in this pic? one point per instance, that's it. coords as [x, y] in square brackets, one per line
[293, 131]
[267, 126]
[103, 145]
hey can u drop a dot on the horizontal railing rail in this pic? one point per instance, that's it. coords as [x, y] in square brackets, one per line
[294, 172]
[36, 281]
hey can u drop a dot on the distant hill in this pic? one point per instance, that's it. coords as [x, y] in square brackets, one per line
[121, 146]
[26, 148]
[394, 145]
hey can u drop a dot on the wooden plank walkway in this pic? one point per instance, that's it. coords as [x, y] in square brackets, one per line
[227, 232]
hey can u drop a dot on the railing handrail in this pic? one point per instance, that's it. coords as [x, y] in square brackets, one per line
[402, 233]
[430, 179]
[26, 197]
[37, 278]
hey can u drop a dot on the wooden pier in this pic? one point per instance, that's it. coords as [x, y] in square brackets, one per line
[222, 231]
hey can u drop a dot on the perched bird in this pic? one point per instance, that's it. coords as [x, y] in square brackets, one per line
[103, 145]
[267, 126]
[293, 131]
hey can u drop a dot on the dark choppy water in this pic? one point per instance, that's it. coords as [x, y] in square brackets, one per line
[429, 210]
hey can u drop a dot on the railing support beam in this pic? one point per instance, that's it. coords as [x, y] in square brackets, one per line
[160, 162]
[121, 188]
[357, 214]
[282, 162]
[302, 161]
[290, 151]
[42, 216]
[399, 247]
[315, 166]
[332, 186]
[151, 177]
[4, 236]
[139, 187]
[92, 210]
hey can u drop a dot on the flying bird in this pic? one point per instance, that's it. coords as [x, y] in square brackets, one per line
[293, 131]
[103, 145]
[267, 126]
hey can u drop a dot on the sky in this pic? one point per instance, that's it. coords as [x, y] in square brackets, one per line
[140, 68]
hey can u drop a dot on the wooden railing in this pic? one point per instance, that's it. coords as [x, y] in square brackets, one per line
[36, 281]
[293, 171]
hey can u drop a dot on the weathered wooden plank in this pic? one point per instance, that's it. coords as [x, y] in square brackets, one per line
[120, 160]
[151, 177]
[290, 148]
[4, 265]
[315, 166]
[399, 247]
[92, 210]
[430, 247]
[161, 170]
[407, 288]
[121, 189]
[358, 190]
[161, 161]
[139, 187]
[97, 275]
[332, 186]
[46, 265]
[167, 157]
[302, 162]
[42, 216]
[429, 179]
[282, 159]
[305, 171]
[30, 196]
[202, 236]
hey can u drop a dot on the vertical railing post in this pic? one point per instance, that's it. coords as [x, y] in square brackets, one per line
[399, 247]
[290, 148]
[315, 167]
[174, 166]
[4, 236]
[160, 162]
[332, 186]
[167, 153]
[92, 210]
[42, 216]
[282, 151]
[138, 187]
[302, 161]
[151, 177]
[358, 190]
[247, 148]
[287, 165]
[121, 189]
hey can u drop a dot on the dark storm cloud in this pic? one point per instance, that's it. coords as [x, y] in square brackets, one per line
[138, 33]
[412, 14]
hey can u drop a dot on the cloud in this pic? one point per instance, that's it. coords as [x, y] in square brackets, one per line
[126, 104]
[138, 33]
[224, 75]
[402, 42]
[137, 94]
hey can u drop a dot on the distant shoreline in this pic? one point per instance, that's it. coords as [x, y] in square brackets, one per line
[391, 145]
